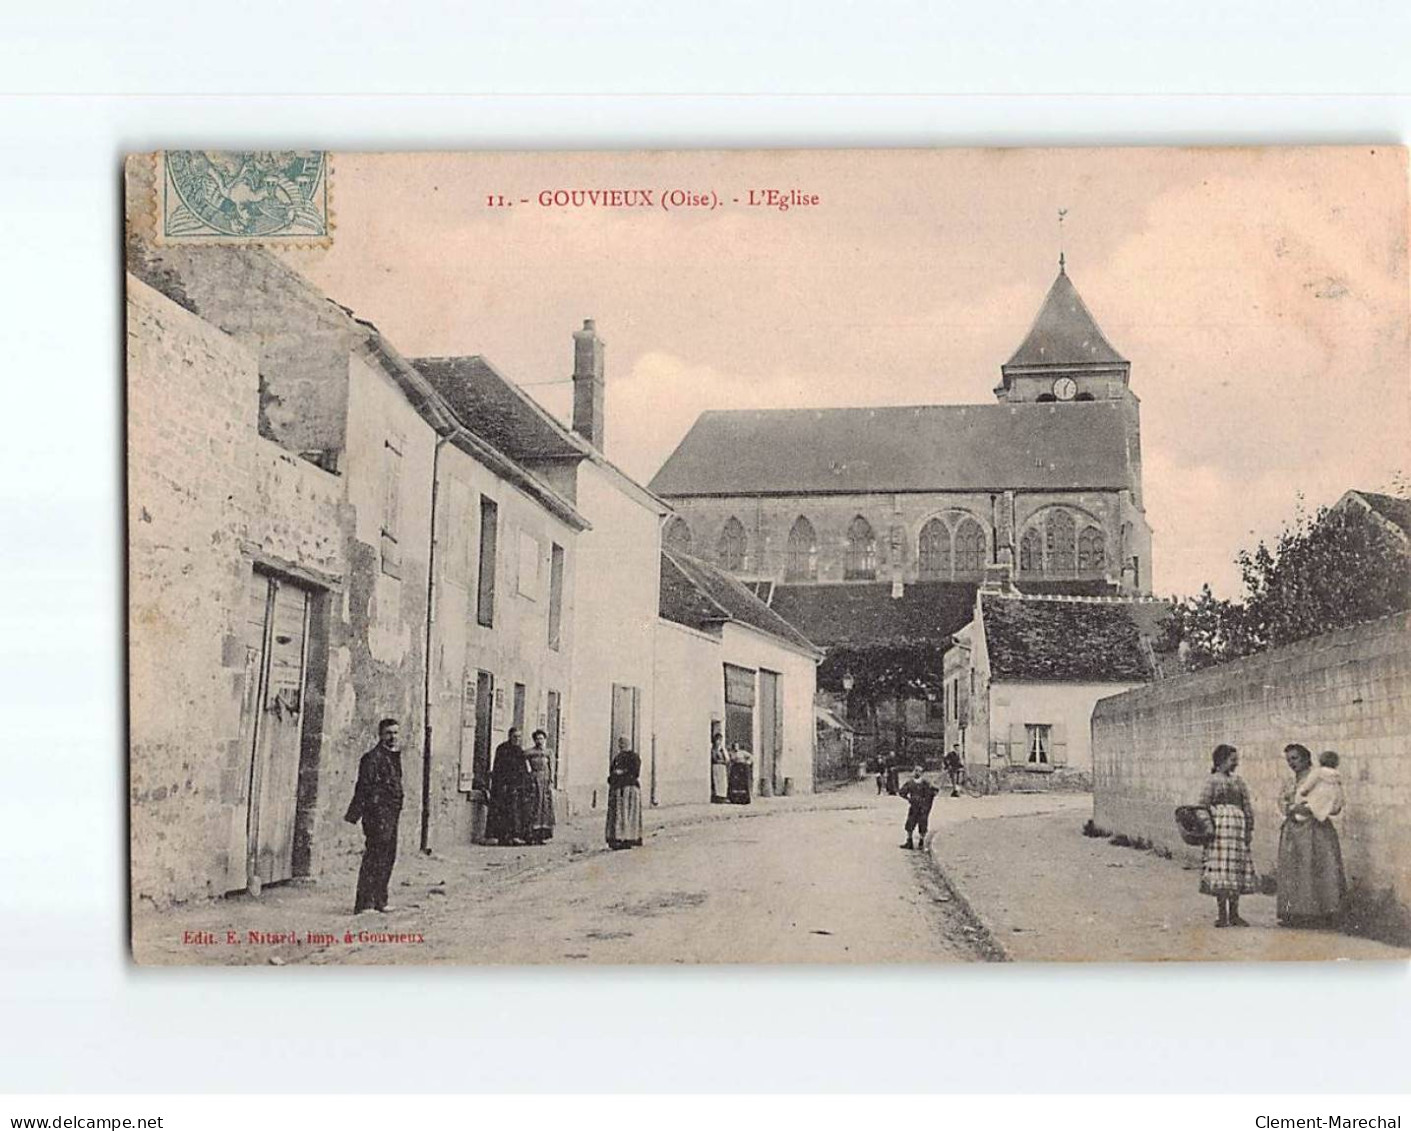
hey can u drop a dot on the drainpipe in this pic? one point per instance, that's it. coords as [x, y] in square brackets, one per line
[430, 617]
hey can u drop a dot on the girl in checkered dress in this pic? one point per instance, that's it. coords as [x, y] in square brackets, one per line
[1228, 868]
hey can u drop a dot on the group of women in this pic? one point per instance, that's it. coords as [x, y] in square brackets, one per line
[1311, 882]
[522, 794]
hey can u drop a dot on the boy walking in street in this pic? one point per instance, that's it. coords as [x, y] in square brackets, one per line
[919, 794]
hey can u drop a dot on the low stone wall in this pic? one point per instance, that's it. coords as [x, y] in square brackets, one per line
[1348, 691]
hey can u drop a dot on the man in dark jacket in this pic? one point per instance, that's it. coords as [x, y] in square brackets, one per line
[377, 803]
[510, 783]
[919, 794]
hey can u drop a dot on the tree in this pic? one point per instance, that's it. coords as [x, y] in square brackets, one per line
[1341, 567]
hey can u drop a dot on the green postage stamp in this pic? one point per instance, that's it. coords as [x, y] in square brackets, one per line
[267, 196]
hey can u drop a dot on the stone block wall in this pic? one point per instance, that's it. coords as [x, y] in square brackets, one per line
[1348, 691]
[207, 496]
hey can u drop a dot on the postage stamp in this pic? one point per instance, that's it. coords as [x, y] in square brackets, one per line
[261, 196]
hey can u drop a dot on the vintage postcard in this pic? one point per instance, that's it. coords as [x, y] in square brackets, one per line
[919, 556]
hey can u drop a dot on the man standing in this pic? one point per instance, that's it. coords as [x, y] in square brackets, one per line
[919, 794]
[377, 803]
[509, 784]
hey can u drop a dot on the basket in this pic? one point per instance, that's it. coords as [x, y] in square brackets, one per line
[1196, 824]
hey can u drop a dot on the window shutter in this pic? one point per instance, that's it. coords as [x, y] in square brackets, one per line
[1058, 746]
[1016, 750]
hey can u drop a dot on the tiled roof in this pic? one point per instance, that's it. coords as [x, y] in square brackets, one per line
[700, 595]
[1395, 511]
[1053, 639]
[918, 448]
[1064, 333]
[494, 407]
[862, 613]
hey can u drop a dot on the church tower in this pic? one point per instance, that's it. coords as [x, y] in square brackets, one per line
[1065, 357]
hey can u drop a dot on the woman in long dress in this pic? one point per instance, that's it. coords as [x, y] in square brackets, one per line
[719, 769]
[540, 794]
[1227, 870]
[1312, 885]
[624, 824]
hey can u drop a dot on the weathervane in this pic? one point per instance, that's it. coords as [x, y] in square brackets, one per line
[1062, 212]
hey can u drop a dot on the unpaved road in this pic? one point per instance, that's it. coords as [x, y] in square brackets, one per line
[819, 886]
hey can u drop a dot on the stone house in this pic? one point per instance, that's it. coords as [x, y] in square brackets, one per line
[1020, 685]
[618, 554]
[726, 663]
[317, 540]
[1048, 480]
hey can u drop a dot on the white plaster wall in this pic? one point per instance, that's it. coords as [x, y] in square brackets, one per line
[616, 594]
[689, 695]
[1069, 705]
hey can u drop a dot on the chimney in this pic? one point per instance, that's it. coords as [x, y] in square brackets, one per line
[999, 579]
[588, 384]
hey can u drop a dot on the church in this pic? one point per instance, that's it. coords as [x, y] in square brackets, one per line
[871, 530]
[1048, 481]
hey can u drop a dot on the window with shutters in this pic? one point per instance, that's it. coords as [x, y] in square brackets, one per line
[485, 587]
[860, 563]
[1038, 741]
[555, 596]
[801, 558]
[730, 550]
[391, 506]
[969, 547]
[933, 551]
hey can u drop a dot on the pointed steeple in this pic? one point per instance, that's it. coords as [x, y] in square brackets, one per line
[1065, 332]
[1064, 341]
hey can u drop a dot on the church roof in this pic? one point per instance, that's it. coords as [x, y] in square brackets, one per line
[860, 613]
[1079, 445]
[700, 595]
[1065, 333]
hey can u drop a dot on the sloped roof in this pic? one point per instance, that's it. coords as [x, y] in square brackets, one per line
[1064, 333]
[1034, 638]
[700, 595]
[1395, 511]
[916, 448]
[495, 407]
[863, 613]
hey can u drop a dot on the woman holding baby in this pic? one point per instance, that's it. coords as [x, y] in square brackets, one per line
[1311, 881]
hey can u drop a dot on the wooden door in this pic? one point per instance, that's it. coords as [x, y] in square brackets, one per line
[770, 732]
[279, 618]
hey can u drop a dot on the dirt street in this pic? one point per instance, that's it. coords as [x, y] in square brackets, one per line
[787, 880]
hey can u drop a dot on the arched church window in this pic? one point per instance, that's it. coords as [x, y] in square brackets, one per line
[678, 535]
[969, 547]
[801, 557]
[1062, 543]
[730, 550]
[861, 561]
[1091, 550]
[935, 549]
[1031, 552]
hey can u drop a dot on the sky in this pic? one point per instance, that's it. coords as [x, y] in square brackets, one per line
[1261, 296]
